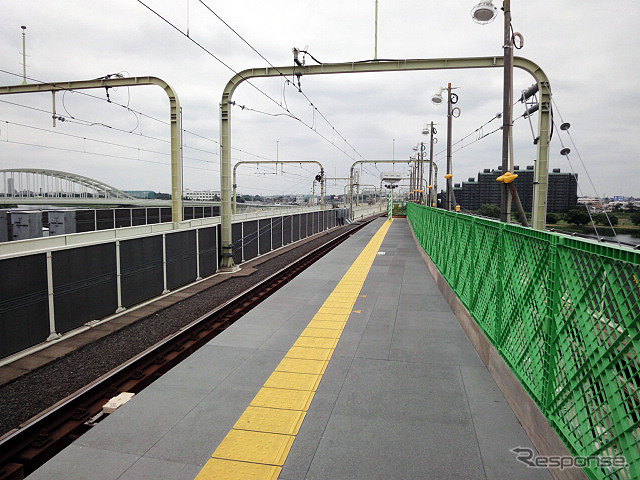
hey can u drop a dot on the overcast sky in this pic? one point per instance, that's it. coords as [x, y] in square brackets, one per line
[588, 49]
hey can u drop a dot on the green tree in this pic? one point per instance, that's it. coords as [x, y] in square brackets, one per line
[601, 219]
[552, 218]
[635, 218]
[577, 217]
[489, 210]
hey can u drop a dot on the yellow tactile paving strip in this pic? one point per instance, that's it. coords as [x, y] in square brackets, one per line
[259, 443]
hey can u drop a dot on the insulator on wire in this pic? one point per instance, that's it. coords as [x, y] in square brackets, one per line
[529, 92]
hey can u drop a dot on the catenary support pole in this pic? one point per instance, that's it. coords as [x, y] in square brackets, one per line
[540, 187]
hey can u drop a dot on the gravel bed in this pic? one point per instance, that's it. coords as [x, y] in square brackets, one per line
[30, 394]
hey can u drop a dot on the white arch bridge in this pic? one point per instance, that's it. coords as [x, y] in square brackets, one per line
[36, 186]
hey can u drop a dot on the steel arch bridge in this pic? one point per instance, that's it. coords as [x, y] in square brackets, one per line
[36, 185]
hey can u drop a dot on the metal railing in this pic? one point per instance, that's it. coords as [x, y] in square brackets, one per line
[563, 313]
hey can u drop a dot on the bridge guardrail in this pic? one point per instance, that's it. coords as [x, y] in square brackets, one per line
[563, 313]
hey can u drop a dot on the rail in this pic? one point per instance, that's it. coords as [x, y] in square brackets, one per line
[564, 314]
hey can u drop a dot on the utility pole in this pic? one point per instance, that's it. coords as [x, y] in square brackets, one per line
[506, 109]
[431, 202]
[375, 50]
[421, 174]
[24, 55]
[449, 166]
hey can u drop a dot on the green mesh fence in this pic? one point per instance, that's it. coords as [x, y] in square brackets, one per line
[565, 316]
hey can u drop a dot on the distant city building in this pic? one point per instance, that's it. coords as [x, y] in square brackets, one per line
[201, 195]
[561, 194]
[10, 188]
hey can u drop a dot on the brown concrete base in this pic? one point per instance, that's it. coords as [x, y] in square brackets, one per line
[541, 434]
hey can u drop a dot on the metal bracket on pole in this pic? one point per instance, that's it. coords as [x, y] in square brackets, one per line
[174, 112]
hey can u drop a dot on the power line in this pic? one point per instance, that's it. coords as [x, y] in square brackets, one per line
[186, 35]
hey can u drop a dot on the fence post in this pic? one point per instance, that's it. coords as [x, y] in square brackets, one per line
[53, 334]
[118, 278]
[552, 312]
[164, 264]
[198, 277]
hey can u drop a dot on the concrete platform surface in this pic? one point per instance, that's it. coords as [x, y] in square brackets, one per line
[404, 395]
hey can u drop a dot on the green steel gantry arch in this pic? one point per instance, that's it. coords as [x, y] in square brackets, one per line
[544, 123]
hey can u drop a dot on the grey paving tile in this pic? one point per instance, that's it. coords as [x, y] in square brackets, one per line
[193, 439]
[428, 303]
[361, 447]
[403, 391]
[433, 347]
[139, 424]
[497, 428]
[204, 369]
[81, 463]
[243, 336]
[154, 469]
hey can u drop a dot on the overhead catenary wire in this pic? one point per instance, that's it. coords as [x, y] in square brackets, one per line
[555, 106]
[209, 52]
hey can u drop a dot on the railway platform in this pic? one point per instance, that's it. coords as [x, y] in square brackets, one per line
[357, 369]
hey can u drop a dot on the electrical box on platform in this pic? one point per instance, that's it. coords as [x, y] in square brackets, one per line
[26, 225]
[62, 222]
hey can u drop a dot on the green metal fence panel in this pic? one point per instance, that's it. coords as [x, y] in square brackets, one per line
[564, 314]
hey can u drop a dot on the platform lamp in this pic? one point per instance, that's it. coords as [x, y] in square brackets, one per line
[483, 13]
[430, 129]
[452, 111]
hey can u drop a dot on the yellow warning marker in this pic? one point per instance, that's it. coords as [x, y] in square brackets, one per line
[310, 353]
[254, 447]
[281, 398]
[258, 445]
[231, 470]
[270, 420]
[301, 365]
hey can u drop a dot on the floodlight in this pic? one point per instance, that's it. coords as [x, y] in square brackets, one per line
[484, 12]
[436, 98]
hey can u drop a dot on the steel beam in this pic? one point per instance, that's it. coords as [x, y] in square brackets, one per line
[174, 114]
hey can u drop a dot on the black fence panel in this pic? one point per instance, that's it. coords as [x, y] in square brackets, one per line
[276, 232]
[295, 229]
[317, 225]
[250, 240]
[24, 306]
[141, 269]
[84, 285]
[123, 217]
[181, 258]
[187, 213]
[165, 214]
[215, 211]
[153, 215]
[264, 240]
[207, 242]
[308, 224]
[105, 219]
[85, 221]
[139, 216]
[287, 223]
[236, 239]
